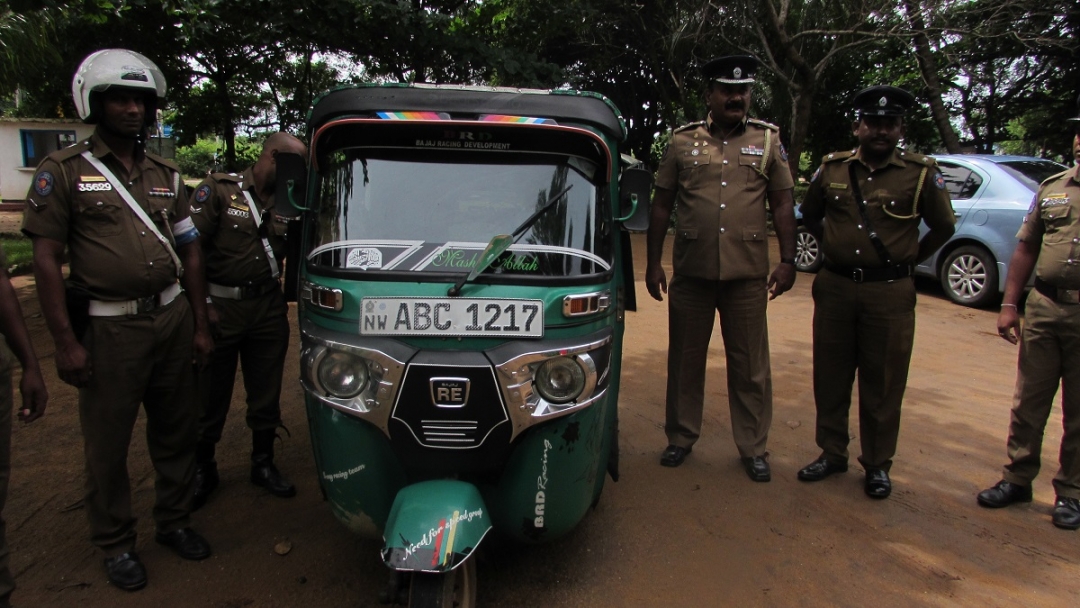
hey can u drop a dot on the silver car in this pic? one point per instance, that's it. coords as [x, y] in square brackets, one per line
[990, 196]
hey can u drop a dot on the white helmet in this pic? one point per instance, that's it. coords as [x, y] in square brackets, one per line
[116, 68]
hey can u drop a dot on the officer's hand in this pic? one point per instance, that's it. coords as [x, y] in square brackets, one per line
[781, 280]
[656, 281]
[213, 317]
[34, 395]
[1008, 324]
[204, 347]
[73, 364]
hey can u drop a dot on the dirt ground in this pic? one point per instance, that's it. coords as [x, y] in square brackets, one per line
[699, 535]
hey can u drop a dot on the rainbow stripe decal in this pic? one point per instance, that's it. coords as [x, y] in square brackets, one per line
[412, 116]
[517, 119]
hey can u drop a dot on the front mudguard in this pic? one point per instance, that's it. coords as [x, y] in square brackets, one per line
[434, 526]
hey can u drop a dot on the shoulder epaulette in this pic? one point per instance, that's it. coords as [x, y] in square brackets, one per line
[226, 177]
[71, 151]
[1056, 176]
[762, 123]
[929, 161]
[692, 125]
[163, 161]
[837, 156]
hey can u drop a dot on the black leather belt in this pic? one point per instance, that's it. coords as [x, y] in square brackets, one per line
[1055, 293]
[242, 292]
[871, 275]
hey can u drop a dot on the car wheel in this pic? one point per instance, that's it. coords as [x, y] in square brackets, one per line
[808, 256]
[969, 276]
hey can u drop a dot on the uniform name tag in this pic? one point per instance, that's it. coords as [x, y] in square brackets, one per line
[754, 150]
[1055, 200]
[95, 187]
[836, 186]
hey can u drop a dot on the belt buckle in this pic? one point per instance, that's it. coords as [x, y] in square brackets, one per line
[1068, 296]
[147, 304]
[857, 275]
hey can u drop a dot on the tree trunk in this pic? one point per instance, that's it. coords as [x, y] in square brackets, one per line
[928, 69]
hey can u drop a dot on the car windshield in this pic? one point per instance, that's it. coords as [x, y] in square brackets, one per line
[1031, 173]
[382, 210]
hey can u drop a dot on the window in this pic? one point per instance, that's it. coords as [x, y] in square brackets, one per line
[39, 143]
[961, 182]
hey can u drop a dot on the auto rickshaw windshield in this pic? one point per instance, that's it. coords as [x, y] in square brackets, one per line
[385, 211]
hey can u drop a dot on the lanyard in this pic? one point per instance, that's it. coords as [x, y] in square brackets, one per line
[135, 208]
[274, 272]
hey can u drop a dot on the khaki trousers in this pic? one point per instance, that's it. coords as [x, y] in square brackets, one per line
[692, 307]
[869, 328]
[145, 358]
[255, 332]
[1049, 356]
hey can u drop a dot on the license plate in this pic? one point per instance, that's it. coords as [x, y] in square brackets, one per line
[451, 317]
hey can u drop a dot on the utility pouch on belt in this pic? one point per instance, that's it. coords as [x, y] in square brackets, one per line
[78, 309]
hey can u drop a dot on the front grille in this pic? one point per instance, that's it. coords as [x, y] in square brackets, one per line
[450, 406]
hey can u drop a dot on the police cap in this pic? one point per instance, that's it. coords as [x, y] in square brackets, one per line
[1077, 119]
[882, 101]
[733, 69]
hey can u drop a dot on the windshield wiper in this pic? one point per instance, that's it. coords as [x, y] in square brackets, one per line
[500, 243]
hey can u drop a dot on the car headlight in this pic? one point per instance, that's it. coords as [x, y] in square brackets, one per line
[342, 375]
[559, 380]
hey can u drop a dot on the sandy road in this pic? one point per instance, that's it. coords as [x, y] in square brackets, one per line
[699, 535]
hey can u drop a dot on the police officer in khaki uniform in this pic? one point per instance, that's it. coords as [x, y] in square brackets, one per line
[721, 171]
[14, 343]
[1049, 344]
[123, 332]
[871, 200]
[244, 246]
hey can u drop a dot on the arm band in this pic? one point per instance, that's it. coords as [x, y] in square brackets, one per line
[185, 231]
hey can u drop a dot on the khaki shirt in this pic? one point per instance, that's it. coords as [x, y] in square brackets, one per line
[907, 190]
[1054, 217]
[721, 183]
[232, 245]
[113, 255]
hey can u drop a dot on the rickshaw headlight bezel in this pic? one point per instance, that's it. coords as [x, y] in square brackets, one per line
[341, 374]
[564, 369]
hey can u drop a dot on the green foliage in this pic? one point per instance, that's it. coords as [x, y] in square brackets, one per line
[206, 155]
[19, 251]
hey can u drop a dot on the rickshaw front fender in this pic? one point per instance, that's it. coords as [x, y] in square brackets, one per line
[434, 526]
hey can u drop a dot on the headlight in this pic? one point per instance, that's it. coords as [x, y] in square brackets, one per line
[342, 375]
[560, 380]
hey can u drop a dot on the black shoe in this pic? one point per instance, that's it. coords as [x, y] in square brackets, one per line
[186, 542]
[820, 469]
[757, 468]
[206, 481]
[877, 483]
[1066, 513]
[1004, 494]
[674, 455]
[266, 475]
[126, 571]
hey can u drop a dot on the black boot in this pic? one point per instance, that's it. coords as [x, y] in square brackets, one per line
[206, 474]
[263, 471]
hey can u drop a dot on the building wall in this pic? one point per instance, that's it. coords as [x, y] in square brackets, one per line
[15, 178]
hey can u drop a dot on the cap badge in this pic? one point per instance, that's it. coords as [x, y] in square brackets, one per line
[882, 102]
[737, 73]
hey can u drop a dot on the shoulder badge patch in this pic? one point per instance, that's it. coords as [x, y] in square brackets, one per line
[816, 175]
[783, 153]
[202, 193]
[1034, 203]
[43, 183]
[939, 181]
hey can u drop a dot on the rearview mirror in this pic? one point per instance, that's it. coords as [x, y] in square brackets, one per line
[290, 186]
[635, 190]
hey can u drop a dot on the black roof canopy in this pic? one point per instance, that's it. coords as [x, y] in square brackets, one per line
[467, 102]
